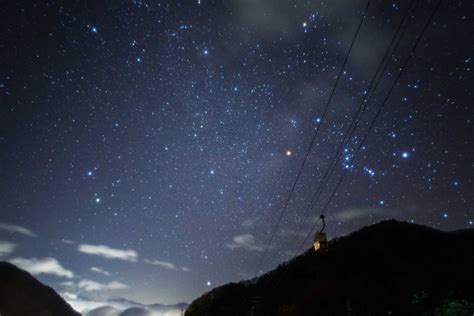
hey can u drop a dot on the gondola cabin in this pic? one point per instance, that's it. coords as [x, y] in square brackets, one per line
[320, 238]
[320, 242]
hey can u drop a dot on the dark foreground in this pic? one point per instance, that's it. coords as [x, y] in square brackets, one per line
[390, 268]
[22, 295]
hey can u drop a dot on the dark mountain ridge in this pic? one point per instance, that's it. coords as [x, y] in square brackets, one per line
[389, 268]
[22, 295]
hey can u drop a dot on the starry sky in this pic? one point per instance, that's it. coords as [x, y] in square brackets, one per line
[147, 147]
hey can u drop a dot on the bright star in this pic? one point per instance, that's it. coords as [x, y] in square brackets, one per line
[289, 153]
[206, 52]
[405, 155]
[97, 200]
[93, 29]
[90, 173]
[208, 283]
[381, 202]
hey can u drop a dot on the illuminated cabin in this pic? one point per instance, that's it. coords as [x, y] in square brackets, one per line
[320, 242]
[320, 239]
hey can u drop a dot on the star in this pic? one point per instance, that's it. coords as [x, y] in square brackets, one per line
[94, 29]
[208, 283]
[405, 155]
[289, 153]
[97, 200]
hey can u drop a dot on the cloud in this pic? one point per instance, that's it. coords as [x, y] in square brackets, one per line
[249, 222]
[166, 265]
[358, 213]
[109, 253]
[68, 284]
[6, 248]
[84, 305]
[89, 285]
[99, 270]
[68, 242]
[245, 241]
[89, 307]
[43, 266]
[17, 229]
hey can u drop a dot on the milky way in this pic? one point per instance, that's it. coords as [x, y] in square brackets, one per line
[147, 147]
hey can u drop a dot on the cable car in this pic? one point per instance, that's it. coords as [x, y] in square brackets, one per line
[320, 238]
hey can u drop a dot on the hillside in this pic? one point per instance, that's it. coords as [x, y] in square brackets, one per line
[390, 268]
[22, 295]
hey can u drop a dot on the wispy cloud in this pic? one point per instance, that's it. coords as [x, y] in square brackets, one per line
[89, 285]
[99, 270]
[42, 266]
[68, 241]
[108, 252]
[17, 229]
[6, 248]
[68, 284]
[373, 212]
[167, 265]
[249, 222]
[246, 242]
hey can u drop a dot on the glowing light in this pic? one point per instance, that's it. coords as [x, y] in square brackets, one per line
[405, 155]
[289, 153]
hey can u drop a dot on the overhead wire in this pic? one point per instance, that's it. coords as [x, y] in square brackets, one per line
[420, 36]
[300, 171]
[372, 123]
[377, 77]
[357, 116]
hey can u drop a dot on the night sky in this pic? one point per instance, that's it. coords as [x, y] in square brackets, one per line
[147, 147]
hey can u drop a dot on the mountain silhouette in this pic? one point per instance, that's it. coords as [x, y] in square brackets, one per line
[124, 307]
[389, 268]
[23, 295]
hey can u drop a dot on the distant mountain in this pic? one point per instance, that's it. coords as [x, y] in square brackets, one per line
[22, 295]
[390, 268]
[103, 311]
[124, 307]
